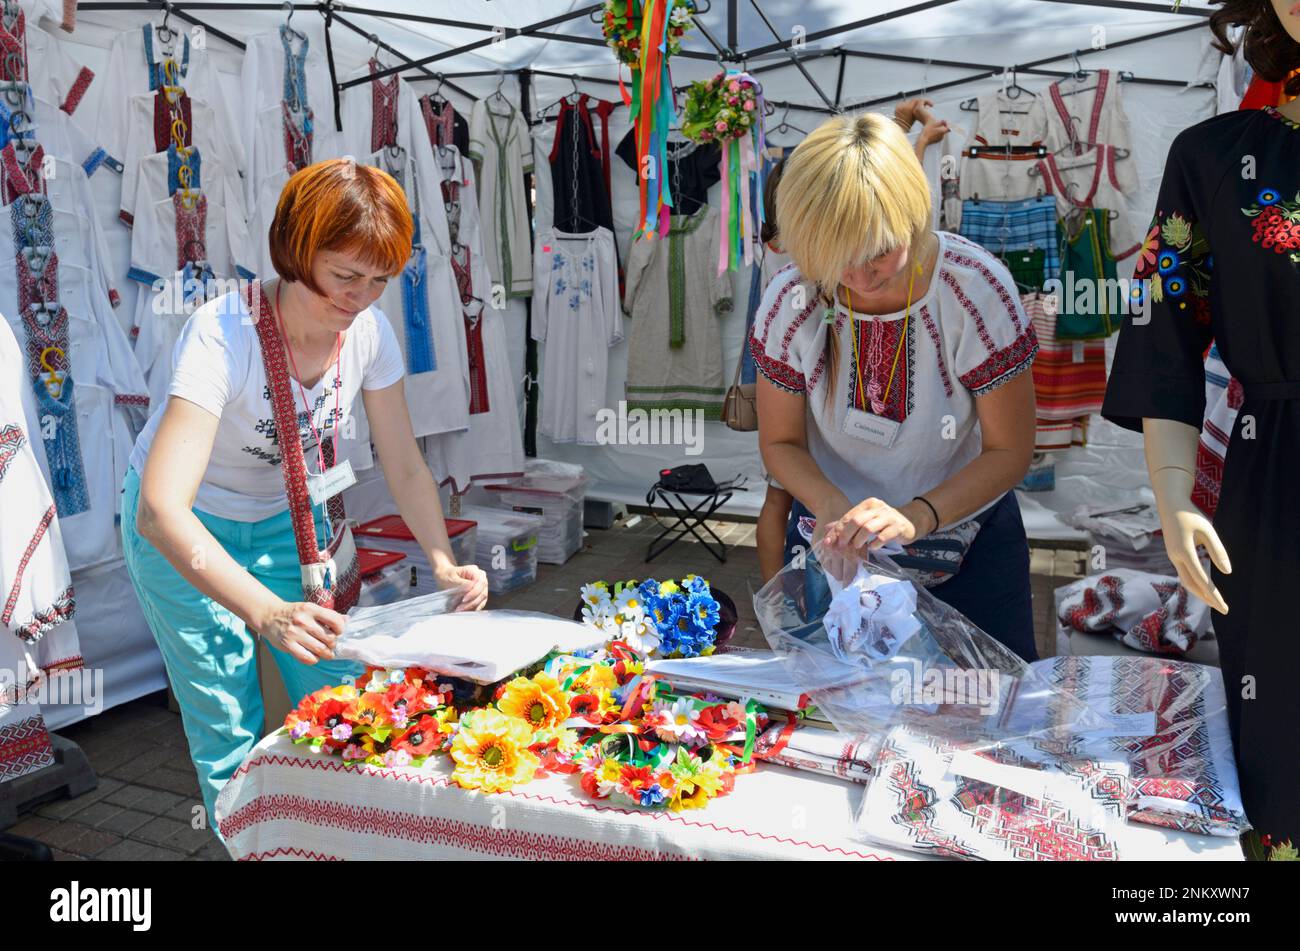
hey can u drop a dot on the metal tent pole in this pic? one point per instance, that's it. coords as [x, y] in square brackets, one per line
[530, 345]
[798, 64]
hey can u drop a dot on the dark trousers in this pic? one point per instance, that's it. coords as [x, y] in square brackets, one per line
[992, 587]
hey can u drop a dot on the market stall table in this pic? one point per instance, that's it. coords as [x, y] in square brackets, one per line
[286, 802]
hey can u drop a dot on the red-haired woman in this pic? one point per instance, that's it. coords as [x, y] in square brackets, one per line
[207, 525]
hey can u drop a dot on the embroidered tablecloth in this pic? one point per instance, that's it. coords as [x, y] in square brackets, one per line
[287, 803]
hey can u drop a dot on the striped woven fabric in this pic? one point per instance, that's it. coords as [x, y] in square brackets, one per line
[1069, 380]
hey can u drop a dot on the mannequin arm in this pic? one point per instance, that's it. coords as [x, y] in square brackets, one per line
[1171, 462]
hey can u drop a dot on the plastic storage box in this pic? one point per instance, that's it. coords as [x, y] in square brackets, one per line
[384, 579]
[507, 546]
[389, 533]
[556, 491]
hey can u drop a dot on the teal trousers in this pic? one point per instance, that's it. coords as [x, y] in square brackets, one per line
[210, 655]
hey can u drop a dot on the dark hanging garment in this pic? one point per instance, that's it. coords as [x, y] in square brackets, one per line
[446, 126]
[1222, 263]
[577, 173]
[692, 170]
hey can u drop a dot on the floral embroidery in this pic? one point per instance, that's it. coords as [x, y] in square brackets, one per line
[1174, 261]
[1276, 222]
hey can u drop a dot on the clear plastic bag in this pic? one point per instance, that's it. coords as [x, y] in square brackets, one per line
[884, 663]
[1046, 761]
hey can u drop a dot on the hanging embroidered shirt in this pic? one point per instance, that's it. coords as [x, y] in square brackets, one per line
[576, 312]
[499, 140]
[287, 101]
[46, 64]
[581, 195]
[446, 126]
[1069, 380]
[142, 60]
[1086, 112]
[184, 229]
[39, 600]
[1004, 120]
[964, 336]
[686, 374]
[159, 120]
[1097, 179]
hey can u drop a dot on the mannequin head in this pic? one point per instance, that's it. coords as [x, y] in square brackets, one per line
[1272, 37]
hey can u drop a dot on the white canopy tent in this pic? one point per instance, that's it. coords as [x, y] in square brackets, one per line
[816, 57]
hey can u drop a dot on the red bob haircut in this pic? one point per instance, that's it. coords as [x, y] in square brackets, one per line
[339, 205]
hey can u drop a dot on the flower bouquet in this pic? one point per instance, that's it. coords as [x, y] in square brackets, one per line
[724, 107]
[667, 619]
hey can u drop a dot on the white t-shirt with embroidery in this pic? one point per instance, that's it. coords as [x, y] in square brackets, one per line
[218, 366]
[965, 336]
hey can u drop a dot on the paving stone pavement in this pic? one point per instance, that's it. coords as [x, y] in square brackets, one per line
[147, 805]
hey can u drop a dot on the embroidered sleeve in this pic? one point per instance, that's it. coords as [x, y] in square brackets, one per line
[785, 332]
[477, 132]
[995, 339]
[1158, 372]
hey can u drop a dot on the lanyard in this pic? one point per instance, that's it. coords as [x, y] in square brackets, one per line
[289, 349]
[857, 364]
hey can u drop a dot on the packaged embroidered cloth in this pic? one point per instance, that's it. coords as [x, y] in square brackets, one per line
[482, 646]
[737, 674]
[815, 750]
[1178, 748]
[874, 652]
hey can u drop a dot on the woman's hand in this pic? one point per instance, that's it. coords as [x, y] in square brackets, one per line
[303, 630]
[471, 579]
[909, 110]
[871, 524]
[933, 130]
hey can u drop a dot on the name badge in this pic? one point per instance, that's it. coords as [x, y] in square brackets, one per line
[868, 427]
[325, 485]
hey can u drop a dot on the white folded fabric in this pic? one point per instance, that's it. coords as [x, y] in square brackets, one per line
[482, 646]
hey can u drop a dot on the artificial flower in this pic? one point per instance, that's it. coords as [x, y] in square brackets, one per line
[678, 722]
[491, 751]
[538, 701]
[421, 739]
[397, 758]
[354, 751]
[720, 720]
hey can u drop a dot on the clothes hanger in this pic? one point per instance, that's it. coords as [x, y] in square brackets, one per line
[785, 125]
[436, 95]
[565, 98]
[53, 377]
[375, 55]
[288, 23]
[1013, 89]
[166, 33]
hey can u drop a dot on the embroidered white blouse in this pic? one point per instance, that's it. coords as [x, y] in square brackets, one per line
[966, 335]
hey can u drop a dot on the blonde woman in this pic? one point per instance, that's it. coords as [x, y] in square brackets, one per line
[894, 403]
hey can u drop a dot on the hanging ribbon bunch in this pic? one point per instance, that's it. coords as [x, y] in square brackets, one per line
[645, 34]
[728, 109]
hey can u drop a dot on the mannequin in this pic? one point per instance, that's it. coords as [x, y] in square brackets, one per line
[1221, 264]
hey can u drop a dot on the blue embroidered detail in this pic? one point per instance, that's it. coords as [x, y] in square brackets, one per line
[420, 356]
[174, 162]
[93, 161]
[156, 69]
[62, 448]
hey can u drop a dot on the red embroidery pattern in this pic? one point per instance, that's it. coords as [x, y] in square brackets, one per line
[1004, 365]
[441, 124]
[784, 376]
[900, 391]
[971, 310]
[383, 104]
[432, 830]
[35, 540]
[191, 229]
[478, 386]
[293, 464]
[13, 50]
[164, 112]
[790, 331]
[297, 141]
[12, 439]
[131, 399]
[776, 306]
[1004, 294]
[24, 747]
[19, 179]
[1103, 82]
[79, 87]
[933, 331]
[64, 607]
